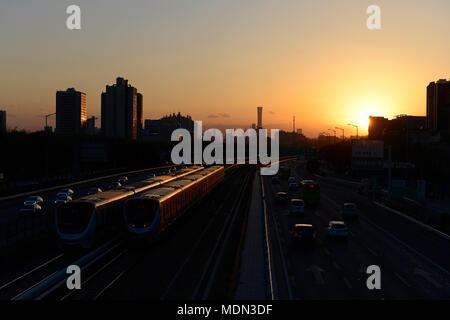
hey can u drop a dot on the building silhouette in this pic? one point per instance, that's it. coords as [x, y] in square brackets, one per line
[90, 126]
[70, 112]
[161, 129]
[438, 105]
[379, 126]
[122, 110]
[2, 121]
[139, 110]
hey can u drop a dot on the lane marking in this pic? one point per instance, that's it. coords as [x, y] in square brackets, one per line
[423, 225]
[347, 283]
[409, 247]
[406, 283]
[397, 239]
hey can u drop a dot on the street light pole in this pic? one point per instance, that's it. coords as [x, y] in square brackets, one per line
[354, 125]
[343, 135]
[334, 134]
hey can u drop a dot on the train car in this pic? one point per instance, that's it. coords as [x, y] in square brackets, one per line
[151, 213]
[81, 222]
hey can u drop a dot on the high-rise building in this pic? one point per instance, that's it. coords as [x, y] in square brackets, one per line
[2, 121]
[70, 112]
[120, 110]
[90, 126]
[438, 105]
[259, 117]
[139, 107]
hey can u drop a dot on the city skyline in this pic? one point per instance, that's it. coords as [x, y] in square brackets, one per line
[216, 61]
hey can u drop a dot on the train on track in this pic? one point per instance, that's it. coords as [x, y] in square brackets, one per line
[149, 214]
[81, 222]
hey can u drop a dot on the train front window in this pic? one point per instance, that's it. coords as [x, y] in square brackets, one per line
[74, 217]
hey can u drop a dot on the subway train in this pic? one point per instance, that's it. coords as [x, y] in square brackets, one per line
[81, 222]
[149, 214]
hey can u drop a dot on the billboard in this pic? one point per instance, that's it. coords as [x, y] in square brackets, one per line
[367, 149]
[367, 155]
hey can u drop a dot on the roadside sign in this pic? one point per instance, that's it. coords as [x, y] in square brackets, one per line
[367, 155]
[399, 165]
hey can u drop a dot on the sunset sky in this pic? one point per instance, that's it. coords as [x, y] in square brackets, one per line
[218, 59]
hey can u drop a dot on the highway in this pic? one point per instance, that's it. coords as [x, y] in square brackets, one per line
[185, 263]
[414, 263]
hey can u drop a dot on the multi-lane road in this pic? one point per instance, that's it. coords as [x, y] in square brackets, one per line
[414, 262]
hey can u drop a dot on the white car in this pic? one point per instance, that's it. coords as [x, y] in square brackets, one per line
[94, 190]
[297, 206]
[114, 185]
[28, 209]
[337, 229]
[60, 200]
[122, 180]
[34, 199]
[68, 191]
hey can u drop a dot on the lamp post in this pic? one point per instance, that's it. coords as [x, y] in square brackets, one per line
[354, 125]
[327, 134]
[334, 134]
[343, 135]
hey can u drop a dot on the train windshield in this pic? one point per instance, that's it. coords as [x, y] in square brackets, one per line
[74, 217]
[141, 212]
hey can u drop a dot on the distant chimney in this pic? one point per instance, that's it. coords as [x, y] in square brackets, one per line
[259, 117]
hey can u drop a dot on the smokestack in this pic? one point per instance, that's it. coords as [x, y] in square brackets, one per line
[259, 117]
[293, 125]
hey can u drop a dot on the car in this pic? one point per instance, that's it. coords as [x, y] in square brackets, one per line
[34, 199]
[114, 185]
[29, 209]
[122, 180]
[281, 197]
[337, 229]
[304, 234]
[94, 190]
[275, 180]
[68, 191]
[293, 186]
[63, 195]
[150, 176]
[291, 180]
[297, 206]
[60, 200]
[349, 211]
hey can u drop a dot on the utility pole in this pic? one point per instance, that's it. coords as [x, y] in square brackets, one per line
[389, 171]
[354, 125]
[334, 134]
[46, 117]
